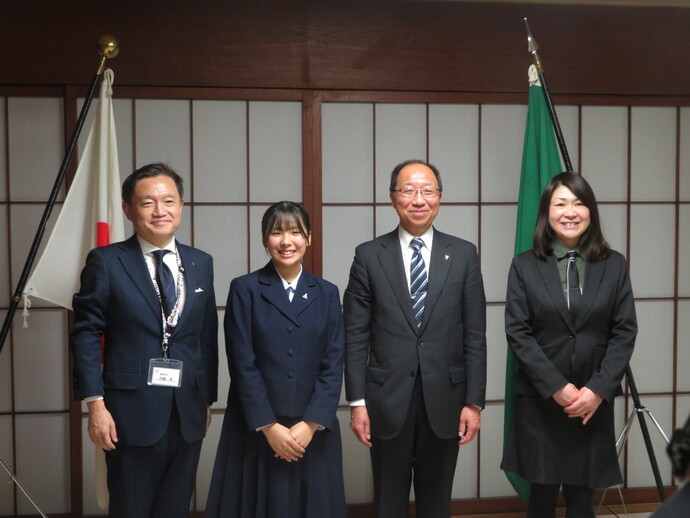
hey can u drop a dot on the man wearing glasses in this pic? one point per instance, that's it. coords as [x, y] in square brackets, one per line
[415, 374]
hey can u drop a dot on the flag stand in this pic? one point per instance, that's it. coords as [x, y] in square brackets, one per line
[638, 409]
[107, 48]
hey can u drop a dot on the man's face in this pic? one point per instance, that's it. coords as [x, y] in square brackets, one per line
[155, 209]
[418, 212]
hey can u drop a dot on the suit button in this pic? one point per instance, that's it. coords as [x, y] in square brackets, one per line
[572, 337]
[290, 374]
[290, 352]
[290, 329]
[420, 343]
[412, 374]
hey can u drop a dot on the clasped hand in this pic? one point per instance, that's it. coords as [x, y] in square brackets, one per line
[578, 402]
[290, 444]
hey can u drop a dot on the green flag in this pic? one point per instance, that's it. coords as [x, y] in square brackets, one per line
[540, 161]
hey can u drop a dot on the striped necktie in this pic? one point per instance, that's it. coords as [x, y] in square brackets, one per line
[418, 280]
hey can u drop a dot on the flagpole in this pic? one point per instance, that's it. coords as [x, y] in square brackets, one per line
[532, 47]
[107, 48]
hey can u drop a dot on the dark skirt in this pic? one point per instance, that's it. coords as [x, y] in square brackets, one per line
[249, 482]
[545, 446]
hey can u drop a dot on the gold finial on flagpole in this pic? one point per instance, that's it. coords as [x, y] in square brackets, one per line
[108, 48]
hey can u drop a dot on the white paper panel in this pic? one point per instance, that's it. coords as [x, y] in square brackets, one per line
[347, 152]
[465, 481]
[492, 479]
[652, 242]
[497, 247]
[459, 220]
[652, 361]
[605, 151]
[220, 151]
[653, 154]
[40, 354]
[502, 137]
[257, 253]
[496, 349]
[36, 146]
[400, 135]
[343, 229]
[683, 346]
[359, 485]
[43, 462]
[275, 151]
[684, 188]
[222, 232]
[684, 251]
[454, 149]
[614, 224]
[163, 134]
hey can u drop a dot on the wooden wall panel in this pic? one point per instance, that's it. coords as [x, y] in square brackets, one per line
[351, 45]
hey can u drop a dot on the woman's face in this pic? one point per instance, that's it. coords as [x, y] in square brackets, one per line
[568, 217]
[286, 247]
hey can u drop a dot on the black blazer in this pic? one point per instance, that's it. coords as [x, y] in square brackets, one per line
[385, 350]
[552, 347]
[117, 300]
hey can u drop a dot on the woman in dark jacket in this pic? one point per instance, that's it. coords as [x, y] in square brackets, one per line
[279, 454]
[570, 321]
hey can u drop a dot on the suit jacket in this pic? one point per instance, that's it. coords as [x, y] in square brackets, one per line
[386, 350]
[117, 300]
[552, 347]
[285, 358]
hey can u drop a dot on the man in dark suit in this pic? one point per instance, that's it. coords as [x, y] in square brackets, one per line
[415, 375]
[678, 505]
[151, 299]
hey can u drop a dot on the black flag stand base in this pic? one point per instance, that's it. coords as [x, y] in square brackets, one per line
[640, 411]
[19, 485]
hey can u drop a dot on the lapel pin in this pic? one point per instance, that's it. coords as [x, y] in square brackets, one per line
[193, 263]
[304, 296]
[447, 257]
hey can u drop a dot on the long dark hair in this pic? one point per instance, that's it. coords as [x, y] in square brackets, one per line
[285, 214]
[592, 243]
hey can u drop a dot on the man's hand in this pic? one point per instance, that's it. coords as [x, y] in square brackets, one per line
[282, 442]
[470, 421]
[360, 424]
[585, 405]
[101, 425]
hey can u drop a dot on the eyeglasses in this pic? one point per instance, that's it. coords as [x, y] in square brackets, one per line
[428, 193]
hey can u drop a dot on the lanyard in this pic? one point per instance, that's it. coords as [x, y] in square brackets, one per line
[171, 320]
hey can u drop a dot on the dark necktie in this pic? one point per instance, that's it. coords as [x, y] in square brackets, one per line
[418, 280]
[572, 283]
[289, 292]
[166, 283]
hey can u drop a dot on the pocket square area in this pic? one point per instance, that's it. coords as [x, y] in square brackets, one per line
[198, 290]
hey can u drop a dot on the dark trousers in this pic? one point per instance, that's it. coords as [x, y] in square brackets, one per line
[153, 481]
[579, 501]
[416, 454]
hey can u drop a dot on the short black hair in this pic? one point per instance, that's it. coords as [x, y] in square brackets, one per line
[285, 215]
[149, 171]
[396, 172]
[592, 243]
